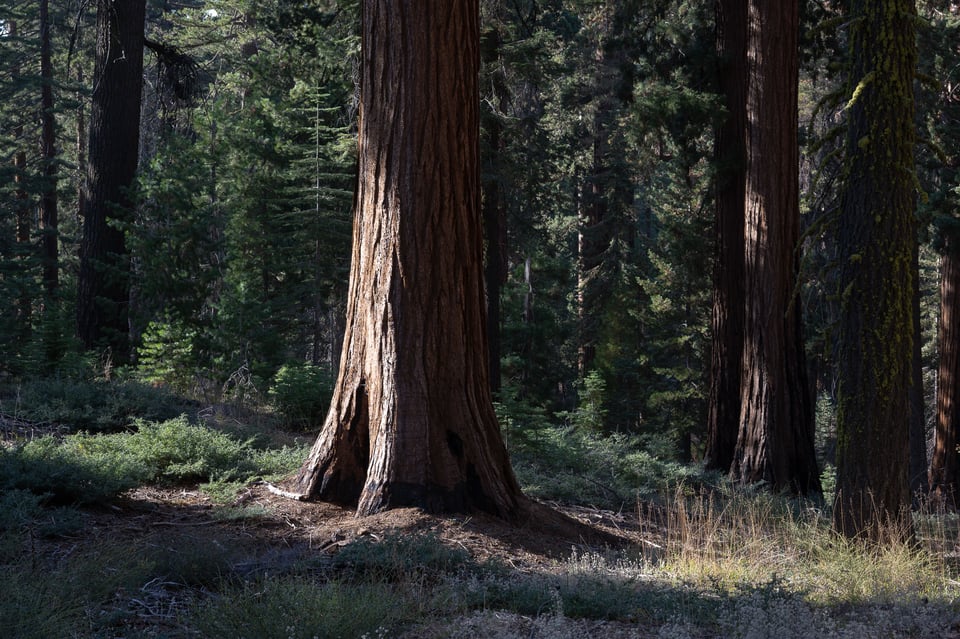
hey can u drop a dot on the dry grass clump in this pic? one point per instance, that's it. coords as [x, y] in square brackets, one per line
[781, 571]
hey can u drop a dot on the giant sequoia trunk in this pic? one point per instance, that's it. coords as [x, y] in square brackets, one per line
[944, 467]
[411, 422]
[103, 287]
[877, 232]
[723, 419]
[775, 442]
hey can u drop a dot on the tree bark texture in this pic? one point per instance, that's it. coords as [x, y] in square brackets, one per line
[24, 303]
[411, 421]
[103, 287]
[945, 464]
[494, 207]
[723, 418]
[49, 239]
[775, 443]
[877, 231]
[918, 423]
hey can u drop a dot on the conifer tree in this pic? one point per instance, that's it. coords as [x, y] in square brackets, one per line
[877, 231]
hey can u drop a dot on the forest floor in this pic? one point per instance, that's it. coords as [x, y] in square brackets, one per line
[274, 535]
[231, 558]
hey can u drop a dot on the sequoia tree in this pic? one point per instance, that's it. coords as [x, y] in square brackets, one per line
[723, 419]
[945, 465]
[411, 422]
[877, 230]
[941, 182]
[775, 441]
[103, 286]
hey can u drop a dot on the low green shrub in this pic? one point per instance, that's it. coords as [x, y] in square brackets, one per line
[177, 450]
[398, 558]
[301, 394]
[295, 608]
[85, 468]
[76, 469]
[577, 466]
[91, 406]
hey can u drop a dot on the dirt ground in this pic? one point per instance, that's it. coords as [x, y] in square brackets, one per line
[545, 533]
[287, 531]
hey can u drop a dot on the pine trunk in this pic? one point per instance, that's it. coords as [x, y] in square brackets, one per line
[877, 231]
[24, 303]
[775, 443]
[104, 283]
[49, 254]
[411, 421]
[494, 216]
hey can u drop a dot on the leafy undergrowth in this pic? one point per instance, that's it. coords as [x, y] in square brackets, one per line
[198, 547]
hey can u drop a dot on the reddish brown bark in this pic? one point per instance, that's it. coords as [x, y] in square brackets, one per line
[945, 464]
[411, 421]
[723, 418]
[775, 443]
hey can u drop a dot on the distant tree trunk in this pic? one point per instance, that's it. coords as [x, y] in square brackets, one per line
[877, 231]
[945, 464]
[411, 421]
[104, 283]
[918, 422]
[775, 441]
[592, 240]
[24, 302]
[723, 418]
[81, 145]
[494, 217]
[48, 197]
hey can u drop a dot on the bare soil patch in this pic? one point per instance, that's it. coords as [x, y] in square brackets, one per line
[545, 533]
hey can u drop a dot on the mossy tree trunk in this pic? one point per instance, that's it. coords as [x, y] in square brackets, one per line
[104, 285]
[411, 421]
[775, 443]
[723, 419]
[877, 231]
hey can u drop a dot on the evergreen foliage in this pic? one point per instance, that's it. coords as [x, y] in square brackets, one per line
[242, 227]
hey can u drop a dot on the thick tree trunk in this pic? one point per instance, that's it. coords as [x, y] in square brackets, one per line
[877, 233]
[723, 418]
[104, 284]
[775, 442]
[945, 464]
[411, 422]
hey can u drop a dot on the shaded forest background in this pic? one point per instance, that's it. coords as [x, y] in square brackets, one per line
[599, 178]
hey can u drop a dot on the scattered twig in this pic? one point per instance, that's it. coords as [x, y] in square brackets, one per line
[284, 493]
